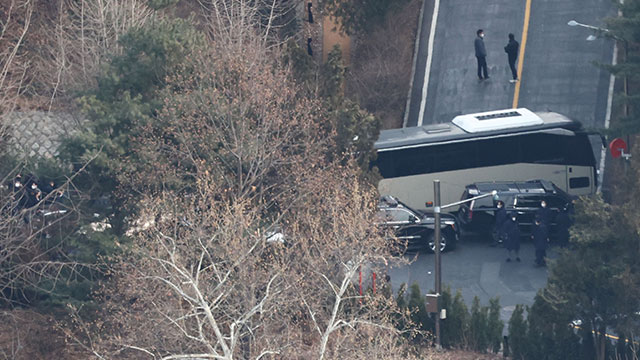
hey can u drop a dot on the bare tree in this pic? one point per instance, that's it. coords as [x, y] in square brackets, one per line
[76, 38]
[253, 231]
[239, 25]
[15, 20]
[213, 278]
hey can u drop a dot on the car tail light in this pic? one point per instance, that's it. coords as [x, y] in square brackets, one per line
[470, 215]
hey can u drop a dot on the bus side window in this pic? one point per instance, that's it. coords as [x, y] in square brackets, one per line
[579, 182]
[453, 157]
[498, 151]
[543, 149]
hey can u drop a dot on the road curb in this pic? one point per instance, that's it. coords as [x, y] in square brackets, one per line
[415, 60]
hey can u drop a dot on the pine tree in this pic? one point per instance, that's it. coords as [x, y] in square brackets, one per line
[494, 325]
[626, 31]
[419, 314]
[454, 328]
[478, 330]
[518, 334]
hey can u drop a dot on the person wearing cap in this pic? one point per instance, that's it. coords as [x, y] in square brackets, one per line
[512, 243]
[540, 237]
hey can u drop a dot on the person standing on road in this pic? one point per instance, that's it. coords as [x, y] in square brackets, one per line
[540, 237]
[512, 54]
[544, 214]
[501, 218]
[563, 223]
[481, 55]
[513, 238]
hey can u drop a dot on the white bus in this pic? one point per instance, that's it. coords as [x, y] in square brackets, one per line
[504, 145]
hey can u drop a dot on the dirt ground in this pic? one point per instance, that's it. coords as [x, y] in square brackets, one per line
[331, 37]
[379, 75]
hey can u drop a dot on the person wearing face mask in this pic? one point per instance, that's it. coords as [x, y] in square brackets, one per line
[512, 244]
[501, 218]
[544, 214]
[35, 194]
[19, 192]
[481, 55]
[563, 223]
[540, 237]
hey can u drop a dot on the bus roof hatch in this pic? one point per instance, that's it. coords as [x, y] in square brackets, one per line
[497, 120]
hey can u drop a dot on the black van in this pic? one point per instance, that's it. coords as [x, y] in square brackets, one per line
[523, 198]
[415, 229]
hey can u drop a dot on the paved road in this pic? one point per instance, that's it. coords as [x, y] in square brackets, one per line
[558, 75]
[558, 71]
[479, 270]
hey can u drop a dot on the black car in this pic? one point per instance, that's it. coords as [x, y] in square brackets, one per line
[415, 229]
[520, 198]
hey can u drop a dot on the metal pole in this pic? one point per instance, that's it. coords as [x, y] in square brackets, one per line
[436, 241]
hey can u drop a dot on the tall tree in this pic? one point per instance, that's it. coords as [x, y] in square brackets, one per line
[598, 281]
[626, 30]
[251, 237]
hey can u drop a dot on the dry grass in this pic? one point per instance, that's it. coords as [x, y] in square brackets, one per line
[26, 334]
[381, 66]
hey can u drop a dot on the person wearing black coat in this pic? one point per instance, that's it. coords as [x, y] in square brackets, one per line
[544, 214]
[309, 5]
[501, 218]
[481, 55]
[512, 244]
[563, 223]
[309, 48]
[540, 237]
[512, 54]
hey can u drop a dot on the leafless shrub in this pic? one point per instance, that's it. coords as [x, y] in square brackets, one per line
[257, 234]
[15, 21]
[381, 70]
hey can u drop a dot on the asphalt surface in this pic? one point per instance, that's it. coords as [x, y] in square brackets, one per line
[476, 269]
[558, 71]
[558, 75]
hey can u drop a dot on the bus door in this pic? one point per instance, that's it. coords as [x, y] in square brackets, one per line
[580, 180]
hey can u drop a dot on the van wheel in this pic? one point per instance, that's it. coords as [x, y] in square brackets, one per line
[446, 243]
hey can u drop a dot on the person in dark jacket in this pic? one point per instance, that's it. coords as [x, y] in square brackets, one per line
[540, 237]
[481, 55]
[563, 223]
[544, 214]
[35, 194]
[501, 218]
[20, 193]
[513, 238]
[309, 48]
[309, 5]
[512, 54]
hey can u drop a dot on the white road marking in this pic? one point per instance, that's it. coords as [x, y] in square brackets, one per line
[425, 84]
[413, 66]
